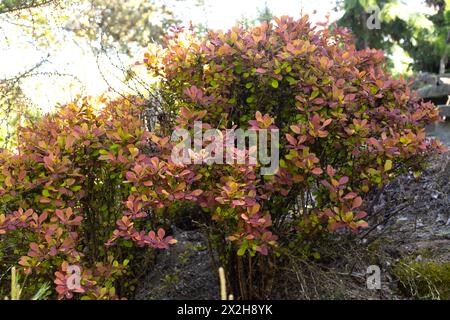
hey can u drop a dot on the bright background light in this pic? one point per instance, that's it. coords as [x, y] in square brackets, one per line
[75, 58]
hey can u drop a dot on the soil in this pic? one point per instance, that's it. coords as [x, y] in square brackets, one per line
[182, 273]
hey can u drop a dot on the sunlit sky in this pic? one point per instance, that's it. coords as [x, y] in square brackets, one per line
[71, 59]
[222, 14]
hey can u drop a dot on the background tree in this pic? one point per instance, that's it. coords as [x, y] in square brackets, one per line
[264, 14]
[108, 32]
[355, 18]
[122, 24]
[429, 46]
[422, 35]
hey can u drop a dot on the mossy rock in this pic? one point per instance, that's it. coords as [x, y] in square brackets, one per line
[423, 279]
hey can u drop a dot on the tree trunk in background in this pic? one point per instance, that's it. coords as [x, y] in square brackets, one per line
[443, 63]
[444, 59]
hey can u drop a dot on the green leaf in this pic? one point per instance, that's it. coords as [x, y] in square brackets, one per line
[314, 94]
[241, 251]
[243, 248]
[128, 244]
[291, 80]
[417, 174]
[388, 165]
[114, 147]
[373, 89]
[274, 83]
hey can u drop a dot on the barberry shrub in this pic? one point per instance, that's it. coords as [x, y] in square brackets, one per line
[68, 215]
[88, 188]
[347, 127]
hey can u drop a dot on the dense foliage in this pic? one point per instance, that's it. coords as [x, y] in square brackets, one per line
[85, 183]
[347, 126]
[64, 200]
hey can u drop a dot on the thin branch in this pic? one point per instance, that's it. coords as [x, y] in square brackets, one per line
[25, 4]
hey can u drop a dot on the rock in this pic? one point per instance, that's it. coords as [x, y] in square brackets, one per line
[441, 219]
[419, 223]
[433, 91]
[444, 233]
